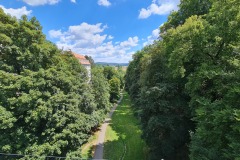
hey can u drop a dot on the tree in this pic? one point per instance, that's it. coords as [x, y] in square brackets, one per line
[109, 72]
[120, 75]
[204, 51]
[114, 89]
[187, 8]
[90, 60]
[101, 89]
[187, 83]
[46, 105]
[23, 45]
[161, 105]
[115, 79]
[132, 77]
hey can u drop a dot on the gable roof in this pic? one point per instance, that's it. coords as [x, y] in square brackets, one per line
[81, 59]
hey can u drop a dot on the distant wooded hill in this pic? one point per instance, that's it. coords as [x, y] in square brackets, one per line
[111, 64]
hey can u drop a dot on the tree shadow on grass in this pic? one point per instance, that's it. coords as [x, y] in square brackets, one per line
[123, 135]
[125, 146]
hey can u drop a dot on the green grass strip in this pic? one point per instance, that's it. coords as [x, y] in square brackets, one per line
[123, 135]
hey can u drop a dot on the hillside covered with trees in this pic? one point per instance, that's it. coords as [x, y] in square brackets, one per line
[186, 86]
[47, 104]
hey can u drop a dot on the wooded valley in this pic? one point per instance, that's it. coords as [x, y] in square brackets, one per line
[185, 88]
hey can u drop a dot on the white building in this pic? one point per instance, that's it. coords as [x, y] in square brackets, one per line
[84, 62]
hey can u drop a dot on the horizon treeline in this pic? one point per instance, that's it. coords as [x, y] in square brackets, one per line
[186, 85]
[47, 104]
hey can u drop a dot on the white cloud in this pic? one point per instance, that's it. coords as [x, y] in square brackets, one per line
[55, 33]
[73, 1]
[120, 58]
[105, 3]
[131, 42]
[40, 2]
[110, 37]
[18, 12]
[154, 36]
[90, 40]
[160, 7]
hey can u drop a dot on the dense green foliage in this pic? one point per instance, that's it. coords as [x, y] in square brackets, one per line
[47, 104]
[185, 87]
[115, 77]
[161, 103]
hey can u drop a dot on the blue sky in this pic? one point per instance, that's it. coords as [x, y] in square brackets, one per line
[107, 30]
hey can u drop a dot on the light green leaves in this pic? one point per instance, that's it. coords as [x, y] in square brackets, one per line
[7, 119]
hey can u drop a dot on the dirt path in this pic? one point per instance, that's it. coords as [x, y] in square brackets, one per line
[98, 154]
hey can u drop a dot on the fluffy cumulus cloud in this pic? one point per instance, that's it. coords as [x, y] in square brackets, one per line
[159, 7]
[154, 36]
[131, 42]
[18, 12]
[105, 3]
[40, 2]
[88, 39]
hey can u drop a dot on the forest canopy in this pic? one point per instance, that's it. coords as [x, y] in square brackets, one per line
[186, 86]
[47, 104]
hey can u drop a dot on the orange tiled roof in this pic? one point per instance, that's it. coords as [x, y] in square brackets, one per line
[78, 56]
[81, 58]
